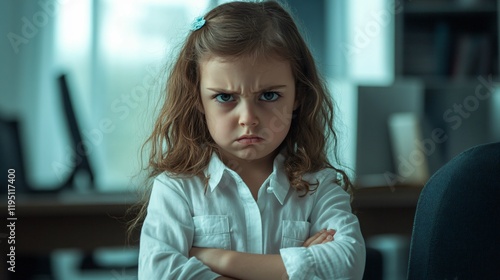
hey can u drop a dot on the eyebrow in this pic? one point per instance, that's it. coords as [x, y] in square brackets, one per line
[270, 88]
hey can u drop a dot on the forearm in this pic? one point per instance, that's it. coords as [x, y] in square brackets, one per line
[241, 265]
[254, 266]
[251, 266]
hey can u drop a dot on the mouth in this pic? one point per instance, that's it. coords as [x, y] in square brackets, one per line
[249, 139]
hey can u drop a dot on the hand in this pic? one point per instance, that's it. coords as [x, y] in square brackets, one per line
[323, 236]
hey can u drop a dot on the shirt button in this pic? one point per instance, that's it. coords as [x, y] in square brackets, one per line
[270, 190]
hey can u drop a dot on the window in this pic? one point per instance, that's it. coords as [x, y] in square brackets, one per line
[114, 54]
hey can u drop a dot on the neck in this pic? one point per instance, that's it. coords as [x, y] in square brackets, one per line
[250, 168]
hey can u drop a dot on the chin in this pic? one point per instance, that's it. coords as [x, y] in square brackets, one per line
[249, 153]
[254, 154]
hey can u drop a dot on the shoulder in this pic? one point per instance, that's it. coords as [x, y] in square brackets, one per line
[181, 184]
[323, 176]
[325, 180]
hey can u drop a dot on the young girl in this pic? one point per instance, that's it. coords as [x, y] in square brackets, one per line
[242, 185]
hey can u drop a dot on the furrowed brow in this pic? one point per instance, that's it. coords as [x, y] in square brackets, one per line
[269, 88]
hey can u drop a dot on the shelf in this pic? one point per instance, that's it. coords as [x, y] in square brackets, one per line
[448, 46]
[440, 9]
[447, 41]
[445, 82]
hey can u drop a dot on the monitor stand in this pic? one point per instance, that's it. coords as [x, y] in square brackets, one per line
[82, 176]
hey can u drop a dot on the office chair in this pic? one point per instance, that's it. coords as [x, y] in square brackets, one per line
[456, 229]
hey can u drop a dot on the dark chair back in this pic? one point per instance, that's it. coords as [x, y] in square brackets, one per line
[456, 232]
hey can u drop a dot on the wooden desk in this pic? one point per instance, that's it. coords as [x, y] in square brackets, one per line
[384, 210]
[89, 221]
[57, 221]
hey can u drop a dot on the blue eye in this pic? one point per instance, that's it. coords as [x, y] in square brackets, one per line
[224, 97]
[269, 96]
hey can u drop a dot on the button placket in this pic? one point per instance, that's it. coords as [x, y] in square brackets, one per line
[253, 219]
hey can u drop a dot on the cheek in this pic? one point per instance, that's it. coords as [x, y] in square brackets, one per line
[211, 123]
[213, 116]
[279, 119]
[218, 123]
[278, 128]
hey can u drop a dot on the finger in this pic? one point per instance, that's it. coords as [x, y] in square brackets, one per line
[321, 237]
[312, 238]
[308, 242]
[329, 237]
[319, 240]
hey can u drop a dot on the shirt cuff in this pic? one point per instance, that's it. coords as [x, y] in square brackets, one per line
[299, 262]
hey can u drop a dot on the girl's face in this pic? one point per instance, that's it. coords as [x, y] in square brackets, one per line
[248, 105]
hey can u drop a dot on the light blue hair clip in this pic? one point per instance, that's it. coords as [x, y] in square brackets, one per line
[197, 23]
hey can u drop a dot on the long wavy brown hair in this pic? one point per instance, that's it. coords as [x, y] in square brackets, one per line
[180, 143]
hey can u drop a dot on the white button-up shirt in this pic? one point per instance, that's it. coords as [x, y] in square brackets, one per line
[181, 215]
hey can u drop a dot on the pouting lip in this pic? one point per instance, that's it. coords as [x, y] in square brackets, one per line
[249, 137]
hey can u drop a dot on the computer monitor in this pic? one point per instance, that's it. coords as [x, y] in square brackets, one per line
[83, 164]
[375, 158]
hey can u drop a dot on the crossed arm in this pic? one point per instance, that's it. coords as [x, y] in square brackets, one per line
[237, 265]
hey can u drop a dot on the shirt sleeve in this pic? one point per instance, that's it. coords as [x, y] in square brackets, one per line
[167, 237]
[342, 258]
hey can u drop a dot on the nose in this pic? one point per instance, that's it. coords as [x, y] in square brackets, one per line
[248, 115]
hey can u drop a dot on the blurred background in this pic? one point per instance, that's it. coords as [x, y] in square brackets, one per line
[415, 82]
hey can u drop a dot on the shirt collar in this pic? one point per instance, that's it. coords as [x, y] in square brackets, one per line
[277, 182]
[215, 169]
